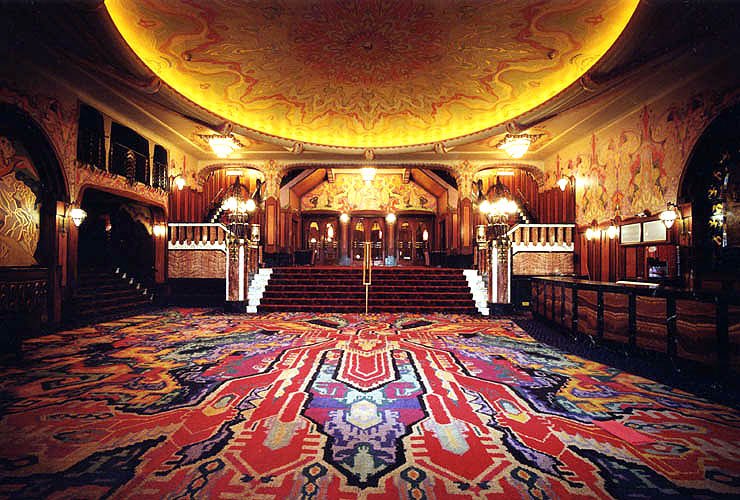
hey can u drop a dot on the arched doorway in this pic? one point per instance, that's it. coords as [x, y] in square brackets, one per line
[710, 183]
[117, 233]
[22, 137]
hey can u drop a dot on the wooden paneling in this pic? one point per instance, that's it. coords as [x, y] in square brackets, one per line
[616, 317]
[696, 331]
[542, 263]
[652, 332]
[196, 264]
[588, 312]
[697, 327]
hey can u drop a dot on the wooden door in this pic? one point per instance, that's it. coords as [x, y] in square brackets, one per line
[368, 229]
[321, 238]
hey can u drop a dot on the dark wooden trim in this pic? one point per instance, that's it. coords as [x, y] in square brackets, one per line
[722, 300]
[632, 320]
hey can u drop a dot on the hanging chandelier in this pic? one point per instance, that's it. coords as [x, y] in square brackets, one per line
[222, 145]
[516, 145]
[499, 208]
[238, 205]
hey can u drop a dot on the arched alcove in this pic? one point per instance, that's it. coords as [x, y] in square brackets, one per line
[710, 183]
[26, 142]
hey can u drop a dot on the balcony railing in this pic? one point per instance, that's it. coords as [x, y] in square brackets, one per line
[197, 236]
[542, 237]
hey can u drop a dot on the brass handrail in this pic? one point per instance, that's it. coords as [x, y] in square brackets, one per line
[367, 272]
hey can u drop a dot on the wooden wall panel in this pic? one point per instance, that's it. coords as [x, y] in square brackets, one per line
[616, 317]
[196, 264]
[587, 312]
[652, 332]
[542, 263]
[568, 299]
[696, 331]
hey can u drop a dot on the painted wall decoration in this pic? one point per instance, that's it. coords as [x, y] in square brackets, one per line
[386, 193]
[358, 74]
[19, 215]
[636, 164]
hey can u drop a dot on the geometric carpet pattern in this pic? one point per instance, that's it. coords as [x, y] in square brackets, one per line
[191, 403]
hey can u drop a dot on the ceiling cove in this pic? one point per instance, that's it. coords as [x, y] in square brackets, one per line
[369, 73]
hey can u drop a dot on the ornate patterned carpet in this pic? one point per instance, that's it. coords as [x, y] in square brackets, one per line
[189, 403]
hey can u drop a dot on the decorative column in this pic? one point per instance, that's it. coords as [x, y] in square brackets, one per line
[463, 240]
[236, 274]
[273, 175]
[499, 279]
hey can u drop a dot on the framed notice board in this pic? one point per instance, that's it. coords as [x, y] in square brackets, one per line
[630, 234]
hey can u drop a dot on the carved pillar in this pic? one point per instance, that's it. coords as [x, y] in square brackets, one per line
[463, 230]
[273, 175]
[236, 274]
[499, 279]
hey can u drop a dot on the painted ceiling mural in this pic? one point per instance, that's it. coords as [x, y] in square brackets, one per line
[636, 164]
[19, 215]
[369, 73]
[386, 193]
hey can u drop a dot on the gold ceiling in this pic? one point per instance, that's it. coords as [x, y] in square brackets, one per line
[369, 73]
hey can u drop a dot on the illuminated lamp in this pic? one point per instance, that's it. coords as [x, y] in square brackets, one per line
[516, 145]
[390, 218]
[669, 215]
[159, 230]
[179, 182]
[563, 183]
[592, 231]
[77, 215]
[344, 218]
[425, 235]
[222, 145]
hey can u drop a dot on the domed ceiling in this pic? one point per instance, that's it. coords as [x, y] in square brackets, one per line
[369, 73]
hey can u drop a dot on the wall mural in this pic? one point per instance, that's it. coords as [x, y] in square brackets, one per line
[635, 164]
[19, 214]
[386, 193]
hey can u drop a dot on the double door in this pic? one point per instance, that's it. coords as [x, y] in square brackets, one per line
[368, 229]
[321, 237]
[414, 237]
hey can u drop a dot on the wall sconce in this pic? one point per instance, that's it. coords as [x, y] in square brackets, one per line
[516, 145]
[159, 230]
[255, 235]
[565, 180]
[425, 235]
[592, 231]
[77, 214]
[390, 218]
[179, 182]
[613, 230]
[669, 215]
[344, 218]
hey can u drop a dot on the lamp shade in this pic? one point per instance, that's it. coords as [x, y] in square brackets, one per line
[77, 215]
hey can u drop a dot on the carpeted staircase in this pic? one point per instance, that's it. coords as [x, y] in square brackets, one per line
[104, 294]
[393, 290]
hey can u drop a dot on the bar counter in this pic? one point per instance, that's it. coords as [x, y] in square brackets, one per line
[686, 325]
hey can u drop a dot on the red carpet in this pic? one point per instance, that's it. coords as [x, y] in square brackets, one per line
[393, 289]
[187, 403]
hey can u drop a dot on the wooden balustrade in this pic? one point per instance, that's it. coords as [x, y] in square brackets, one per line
[542, 234]
[190, 234]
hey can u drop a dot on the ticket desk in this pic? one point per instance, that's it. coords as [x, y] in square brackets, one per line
[698, 327]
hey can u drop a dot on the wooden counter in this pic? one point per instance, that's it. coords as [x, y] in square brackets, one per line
[702, 327]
